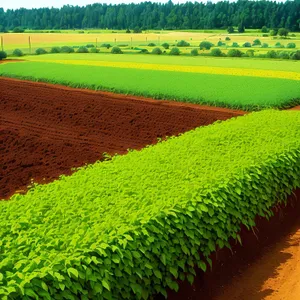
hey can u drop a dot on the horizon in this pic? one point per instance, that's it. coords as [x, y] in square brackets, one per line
[18, 4]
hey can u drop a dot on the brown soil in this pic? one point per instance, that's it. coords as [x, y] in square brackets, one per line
[266, 266]
[296, 108]
[46, 130]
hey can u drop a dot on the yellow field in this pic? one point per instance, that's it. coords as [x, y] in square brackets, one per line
[185, 69]
[21, 40]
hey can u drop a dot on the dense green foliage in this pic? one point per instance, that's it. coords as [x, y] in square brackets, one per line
[82, 49]
[66, 49]
[17, 52]
[194, 52]
[206, 45]
[157, 51]
[129, 227]
[183, 43]
[3, 55]
[147, 15]
[220, 90]
[116, 50]
[175, 51]
[40, 51]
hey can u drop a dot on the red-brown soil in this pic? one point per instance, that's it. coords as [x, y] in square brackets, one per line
[46, 130]
[266, 266]
[296, 108]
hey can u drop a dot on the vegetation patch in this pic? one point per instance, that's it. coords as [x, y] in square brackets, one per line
[129, 227]
[228, 88]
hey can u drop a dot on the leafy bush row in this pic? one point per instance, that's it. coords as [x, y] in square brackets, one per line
[130, 227]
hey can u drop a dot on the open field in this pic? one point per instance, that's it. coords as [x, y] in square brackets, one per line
[145, 215]
[200, 80]
[193, 208]
[69, 128]
[48, 40]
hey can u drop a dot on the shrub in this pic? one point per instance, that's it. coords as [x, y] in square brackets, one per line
[55, 50]
[151, 45]
[264, 29]
[230, 29]
[227, 38]
[174, 51]
[235, 44]
[293, 35]
[94, 50]
[194, 52]
[66, 49]
[137, 30]
[283, 32]
[247, 45]
[128, 31]
[183, 43]
[241, 28]
[296, 55]
[291, 45]
[216, 52]
[271, 54]
[156, 51]
[107, 46]
[90, 46]
[265, 45]
[220, 44]
[273, 32]
[166, 45]
[234, 53]
[250, 53]
[265, 35]
[82, 49]
[17, 52]
[284, 55]
[116, 50]
[18, 30]
[206, 45]
[123, 45]
[3, 55]
[40, 51]
[144, 51]
[256, 42]
[279, 45]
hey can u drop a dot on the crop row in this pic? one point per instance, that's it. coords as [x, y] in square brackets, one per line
[245, 92]
[130, 227]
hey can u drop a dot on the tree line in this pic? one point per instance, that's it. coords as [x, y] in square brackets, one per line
[148, 15]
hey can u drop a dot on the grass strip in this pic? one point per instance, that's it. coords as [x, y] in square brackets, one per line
[129, 227]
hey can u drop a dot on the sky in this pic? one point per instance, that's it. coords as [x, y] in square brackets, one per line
[14, 4]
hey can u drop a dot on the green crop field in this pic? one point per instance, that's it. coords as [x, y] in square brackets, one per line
[128, 227]
[239, 83]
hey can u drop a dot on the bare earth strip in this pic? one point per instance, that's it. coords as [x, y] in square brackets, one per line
[46, 130]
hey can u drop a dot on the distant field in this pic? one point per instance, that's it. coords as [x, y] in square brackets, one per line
[98, 37]
[238, 83]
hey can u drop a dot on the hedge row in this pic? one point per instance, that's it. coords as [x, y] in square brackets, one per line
[129, 227]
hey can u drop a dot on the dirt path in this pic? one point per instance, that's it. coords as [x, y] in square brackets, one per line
[273, 276]
[46, 130]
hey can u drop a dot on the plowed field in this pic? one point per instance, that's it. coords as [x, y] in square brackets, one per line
[46, 130]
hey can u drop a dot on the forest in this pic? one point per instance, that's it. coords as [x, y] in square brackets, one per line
[157, 16]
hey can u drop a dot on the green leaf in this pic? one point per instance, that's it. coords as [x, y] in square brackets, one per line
[105, 284]
[73, 271]
[158, 274]
[202, 265]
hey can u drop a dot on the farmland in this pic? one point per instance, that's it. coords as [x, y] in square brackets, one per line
[200, 80]
[111, 195]
[96, 37]
[123, 216]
